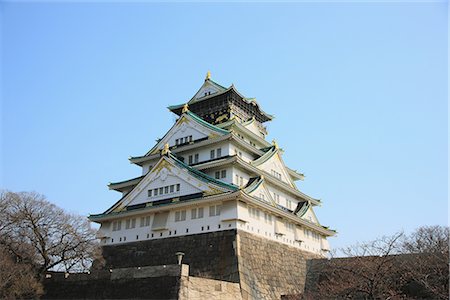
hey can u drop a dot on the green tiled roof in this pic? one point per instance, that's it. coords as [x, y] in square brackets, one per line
[271, 151]
[206, 124]
[125, 181]
[202, 176]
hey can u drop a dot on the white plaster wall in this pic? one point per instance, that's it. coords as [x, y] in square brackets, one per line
[240, 173]
[205, 152]
[253, 127]
[246, 156]
[283, 197]
[229, 174]
[195, 226]
[239, 210]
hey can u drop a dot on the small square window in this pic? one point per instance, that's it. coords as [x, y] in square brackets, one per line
[219, 152]
[213, 154]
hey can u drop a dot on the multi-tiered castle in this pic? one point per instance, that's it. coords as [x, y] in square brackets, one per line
[212, 178]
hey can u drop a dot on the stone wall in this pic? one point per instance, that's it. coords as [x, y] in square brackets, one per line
[230, 264]
[196, 288]
[159, 282]
[209, 255]
[268, 269]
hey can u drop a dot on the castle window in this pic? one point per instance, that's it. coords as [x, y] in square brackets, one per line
[241, 181]
[130, 223]
[180, 216]
[112, 240]
[237, 179]
[166, 189]
[124, 238]
[276, 174]
[223, 173]
[253, 212]
[196, 158]
[178, 187]
[172, 187]
[213, 154]
[214, 210]
[190, 159]
[117, 225]
[149, 193]
[219, 152]
[161, 190]
[288, 203]
[197, 213]
[276, 197]
[267, 218]
[187, 230]
[156, 192]
[217, 175]
[145, 221]
[137, 237]
[160, 234]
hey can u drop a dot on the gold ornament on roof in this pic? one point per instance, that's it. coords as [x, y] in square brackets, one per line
[208, 75]
[275, 144]
[165, 150]
[185, 108]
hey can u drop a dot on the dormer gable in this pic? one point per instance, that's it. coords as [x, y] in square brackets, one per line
[187, 129]
[171, 180]
[257, 188]
[208, 88]
[272, 163]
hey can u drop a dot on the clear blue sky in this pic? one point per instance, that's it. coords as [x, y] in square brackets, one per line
[359, 92]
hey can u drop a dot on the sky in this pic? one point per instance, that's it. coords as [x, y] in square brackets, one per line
[358, 90]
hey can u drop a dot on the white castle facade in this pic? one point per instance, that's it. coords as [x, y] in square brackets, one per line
[213, 171]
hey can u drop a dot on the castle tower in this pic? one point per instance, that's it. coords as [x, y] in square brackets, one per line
[216, 190]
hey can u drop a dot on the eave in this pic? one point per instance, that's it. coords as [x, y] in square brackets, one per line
[295, 175]
[123, 185]
[267, 176]
[141, 160]
[289, 216]
[98, 218]
[233, 124]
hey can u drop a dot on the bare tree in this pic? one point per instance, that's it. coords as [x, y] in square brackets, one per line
[392, 267]
[17, 280]
[369, 271]
[429, 268]
[37, 232]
